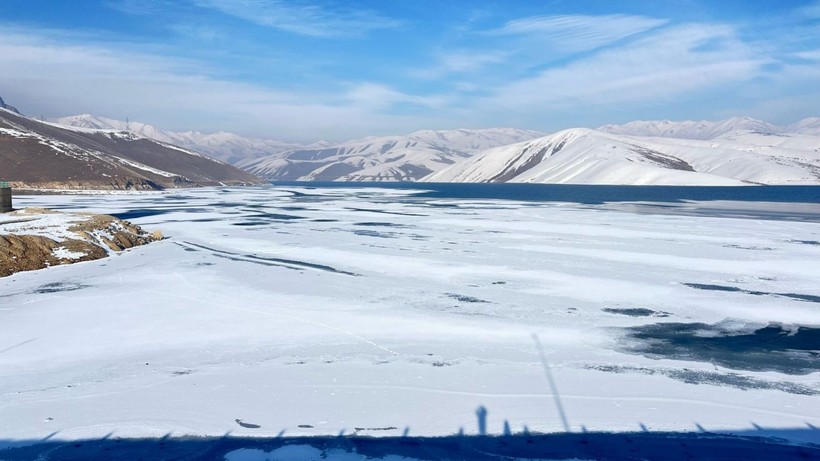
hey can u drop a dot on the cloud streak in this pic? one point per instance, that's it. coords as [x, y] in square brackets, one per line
[658, 67]
[184, 95]
[461, 62]
[302, 18]
[575, 33]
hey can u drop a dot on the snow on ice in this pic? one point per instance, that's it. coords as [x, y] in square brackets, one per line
[377, 312]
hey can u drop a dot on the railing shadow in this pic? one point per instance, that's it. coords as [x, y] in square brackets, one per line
[759, 444]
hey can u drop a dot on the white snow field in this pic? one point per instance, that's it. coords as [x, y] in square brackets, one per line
[314, 311]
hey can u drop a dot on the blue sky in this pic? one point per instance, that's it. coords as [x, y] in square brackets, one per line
[323, 69]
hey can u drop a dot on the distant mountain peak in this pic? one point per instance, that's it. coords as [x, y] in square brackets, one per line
[810, 126]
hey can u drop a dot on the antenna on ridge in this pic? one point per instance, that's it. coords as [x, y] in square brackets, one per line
[127, 122]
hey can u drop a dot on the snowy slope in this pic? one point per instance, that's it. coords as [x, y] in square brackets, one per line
[809, 126]
[389, 158]
[228, 147]
[584, 156]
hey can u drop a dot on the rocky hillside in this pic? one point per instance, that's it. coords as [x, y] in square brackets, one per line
[35, 238]
[35, 154]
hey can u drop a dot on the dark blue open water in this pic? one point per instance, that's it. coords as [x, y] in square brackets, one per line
[588, 194]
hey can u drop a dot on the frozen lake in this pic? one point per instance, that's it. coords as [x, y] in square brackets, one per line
[383, 311]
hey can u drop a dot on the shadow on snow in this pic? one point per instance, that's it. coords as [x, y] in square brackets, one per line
[756, 444]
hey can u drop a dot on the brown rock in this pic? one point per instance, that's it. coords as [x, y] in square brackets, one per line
[30, 252]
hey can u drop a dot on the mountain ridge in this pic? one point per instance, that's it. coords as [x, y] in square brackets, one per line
[385, 158]
[641, 152]
[222, 145]
[705, 129]
[586, 156]
[37, 154]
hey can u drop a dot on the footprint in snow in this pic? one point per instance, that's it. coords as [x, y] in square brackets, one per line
[247, 425]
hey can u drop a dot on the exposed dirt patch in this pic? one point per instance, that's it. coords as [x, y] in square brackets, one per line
[78, 237]
[30, 252]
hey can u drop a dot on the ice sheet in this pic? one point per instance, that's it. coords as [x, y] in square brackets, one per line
[315, 311]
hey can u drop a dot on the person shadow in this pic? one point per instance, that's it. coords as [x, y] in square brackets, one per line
[481, 413]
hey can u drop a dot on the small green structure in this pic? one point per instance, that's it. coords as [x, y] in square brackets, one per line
[5, 197]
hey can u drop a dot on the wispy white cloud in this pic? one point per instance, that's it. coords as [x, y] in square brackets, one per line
[139, 7]
[658, 67]
[514, 50]
[303, 18]
[464, 61]
[574, 33]
[460, 62]
[810, 55]
[199, 32]
[629, 65]
[53, 78]
[379, 96]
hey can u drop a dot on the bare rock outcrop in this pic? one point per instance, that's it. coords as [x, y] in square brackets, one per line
[35, 238]
[31, 252]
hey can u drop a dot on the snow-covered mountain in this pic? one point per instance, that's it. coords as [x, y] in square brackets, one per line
[809, 125]
[389, 158]
[690, 129]
[704, 129]
[228, 147]
[738, 150]
[584, 156]
[46, 155]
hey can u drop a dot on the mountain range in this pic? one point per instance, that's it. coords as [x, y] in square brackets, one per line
[388, 158]
[584, 156]
[37, 154]
[734, 151]
[704, 129]
[224, 146]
